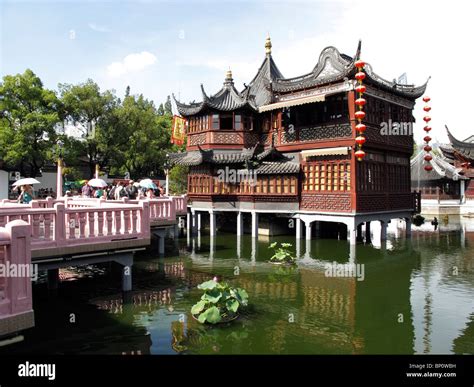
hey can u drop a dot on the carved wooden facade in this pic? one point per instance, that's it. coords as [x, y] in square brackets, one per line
[295, 137]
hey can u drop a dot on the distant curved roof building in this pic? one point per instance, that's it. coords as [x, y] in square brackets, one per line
[442, 169]
[462, 148]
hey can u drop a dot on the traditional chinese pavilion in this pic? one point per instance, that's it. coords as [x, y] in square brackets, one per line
[461, 155]
[285, 147]
[443, 182]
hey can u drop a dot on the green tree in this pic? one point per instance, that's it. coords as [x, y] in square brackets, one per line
[168, 107]
[95, 112]
[29, 115]
[178, 179]
[161, 110]
[148, 134]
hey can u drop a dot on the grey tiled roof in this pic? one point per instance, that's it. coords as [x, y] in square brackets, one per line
[230, 158]
[277, 167]
[332, 67]
[408, 91]
[186, 158]
[447, 151]
[226, 99]
[213, 156]
[259, 89]
[441, 169]
[466, 149]
[470, 139]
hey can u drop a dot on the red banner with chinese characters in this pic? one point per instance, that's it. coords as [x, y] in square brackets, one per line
[178, 130]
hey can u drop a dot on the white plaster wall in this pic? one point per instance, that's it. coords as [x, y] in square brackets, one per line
[3, 184]
[48, 180]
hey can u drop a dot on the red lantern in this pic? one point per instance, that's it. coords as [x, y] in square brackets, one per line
[360, 114]
[360, 101]
[428, 168]
[426, 99]
[360, 88]
[428, 158]
[359, 64]
[427, 129]
[361, 128]
[427, 119]
[360, 140]
[427, 148]
[360, 154]
[360, 76]
[426, 108]
[427, 139]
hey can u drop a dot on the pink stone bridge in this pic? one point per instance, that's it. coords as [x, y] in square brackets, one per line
[67, 232]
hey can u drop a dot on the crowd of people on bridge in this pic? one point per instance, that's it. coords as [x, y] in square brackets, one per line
[131, 190]
[122, 189]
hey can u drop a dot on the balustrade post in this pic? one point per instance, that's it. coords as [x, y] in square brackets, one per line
[60, 224]
[82, 224]
[145, 218]
[100, 223]
[172, 213]
[19, 253]
[126, 221]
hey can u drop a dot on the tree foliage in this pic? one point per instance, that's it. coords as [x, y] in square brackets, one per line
[129, 135]
[94, 111]
[178, 178]
[29, 114]
[148, 136]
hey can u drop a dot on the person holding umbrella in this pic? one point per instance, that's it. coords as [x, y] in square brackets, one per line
[26, 195]
[97, 186]
[26, 191]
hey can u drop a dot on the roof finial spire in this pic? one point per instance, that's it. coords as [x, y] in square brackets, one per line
[228, 77]
[268, 45]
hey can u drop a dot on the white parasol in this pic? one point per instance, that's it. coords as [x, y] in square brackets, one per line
[97, 183]
[26, 181]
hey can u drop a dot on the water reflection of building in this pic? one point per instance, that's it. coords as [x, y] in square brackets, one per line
[273, 290]
[442, 293]
[192, 278]
[142, 300]
[331, 298]
[383, 313]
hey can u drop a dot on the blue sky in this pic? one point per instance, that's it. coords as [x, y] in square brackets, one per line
[160, 47]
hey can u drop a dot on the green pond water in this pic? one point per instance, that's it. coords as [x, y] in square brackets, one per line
[416, 296]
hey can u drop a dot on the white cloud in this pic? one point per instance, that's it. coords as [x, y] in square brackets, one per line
[98, 28]
[132, 63]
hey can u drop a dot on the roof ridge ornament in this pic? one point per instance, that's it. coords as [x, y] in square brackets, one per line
[357, 54]
[229, 81]
[203, 93]
[268, 45]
